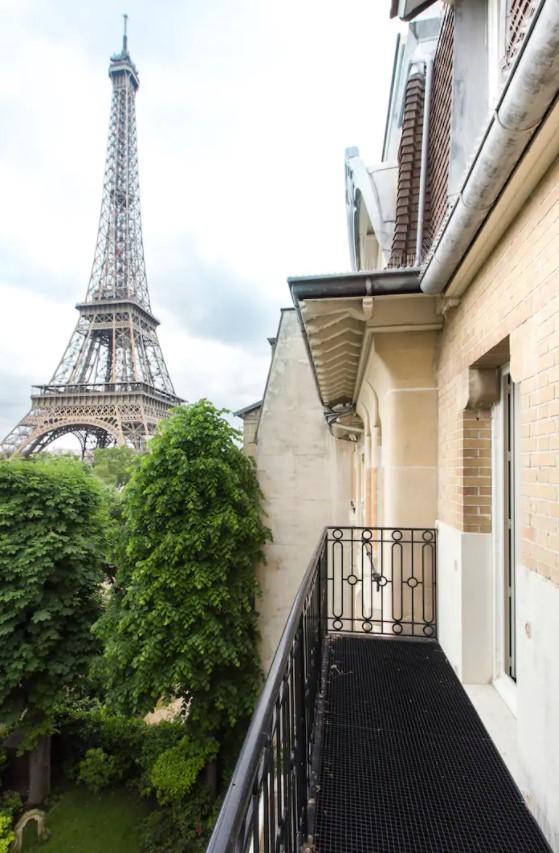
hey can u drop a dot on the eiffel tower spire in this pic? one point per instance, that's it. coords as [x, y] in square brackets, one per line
[112, 384]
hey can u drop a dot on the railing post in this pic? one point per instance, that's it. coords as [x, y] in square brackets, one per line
[300, 735]
[323, 580]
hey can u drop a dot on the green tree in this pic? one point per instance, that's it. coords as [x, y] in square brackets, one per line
[113, 466]
[181, 621]
[51, 541]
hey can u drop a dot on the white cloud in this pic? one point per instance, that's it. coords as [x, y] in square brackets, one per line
[225, 374]
[244, 112]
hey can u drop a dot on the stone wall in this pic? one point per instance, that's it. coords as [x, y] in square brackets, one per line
[304, 473]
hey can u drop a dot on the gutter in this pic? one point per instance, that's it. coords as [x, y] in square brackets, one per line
[528, 93]
[362, 283]
[374, 283]
[395, 64]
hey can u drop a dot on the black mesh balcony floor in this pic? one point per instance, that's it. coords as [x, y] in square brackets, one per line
[407, 765]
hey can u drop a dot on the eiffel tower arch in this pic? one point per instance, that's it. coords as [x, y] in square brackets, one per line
[112, 385]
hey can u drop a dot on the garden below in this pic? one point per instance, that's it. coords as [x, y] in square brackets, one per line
[91, 823]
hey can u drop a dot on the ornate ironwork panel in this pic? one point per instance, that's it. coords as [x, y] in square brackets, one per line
[382, 581]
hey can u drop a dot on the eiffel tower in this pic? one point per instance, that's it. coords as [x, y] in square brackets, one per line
[111, 385]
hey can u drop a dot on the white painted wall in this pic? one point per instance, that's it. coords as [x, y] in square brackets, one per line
[465, 602]
[468, 627]
[304, 473]
[537, 620]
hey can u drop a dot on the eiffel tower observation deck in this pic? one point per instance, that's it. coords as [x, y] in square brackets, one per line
[112, 385]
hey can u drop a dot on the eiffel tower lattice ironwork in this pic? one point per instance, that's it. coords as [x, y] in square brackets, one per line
[112, 385]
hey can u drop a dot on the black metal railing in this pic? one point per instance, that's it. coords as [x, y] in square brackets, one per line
[266, 805]
[365, 580]
[382, 580]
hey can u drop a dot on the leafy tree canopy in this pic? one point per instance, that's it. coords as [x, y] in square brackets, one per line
[51, 539]
[113, 466]
[181, 620]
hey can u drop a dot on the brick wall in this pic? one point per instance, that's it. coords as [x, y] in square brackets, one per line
[518, 283]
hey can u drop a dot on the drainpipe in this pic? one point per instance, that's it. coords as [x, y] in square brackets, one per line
[424, 165]
[528, 93]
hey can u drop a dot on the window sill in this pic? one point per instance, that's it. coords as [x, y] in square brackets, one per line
[497, 717]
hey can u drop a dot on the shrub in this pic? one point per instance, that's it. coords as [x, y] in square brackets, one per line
[160, 760]
[91, 728]
[194, 818]
[7, 834]
[97, 770]
[11, 804]
[183, 827]
[158, 834]
[133, 744]
[176, 770]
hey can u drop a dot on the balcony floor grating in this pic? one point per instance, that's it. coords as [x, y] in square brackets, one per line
[407, 765]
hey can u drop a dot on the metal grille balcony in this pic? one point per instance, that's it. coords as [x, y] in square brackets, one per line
[363, 740]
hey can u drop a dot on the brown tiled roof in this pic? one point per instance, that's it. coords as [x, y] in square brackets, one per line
[439, 126]
[409, 169]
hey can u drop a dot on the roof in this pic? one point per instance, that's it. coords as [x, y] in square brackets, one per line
[246, 410]
[336, 317]
[404, 243]
[406, 10]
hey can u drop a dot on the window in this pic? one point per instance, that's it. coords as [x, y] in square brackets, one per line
[506, 500]
[510, 465]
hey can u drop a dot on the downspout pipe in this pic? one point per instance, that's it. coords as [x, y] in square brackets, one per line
[528, 93]
[424, 158]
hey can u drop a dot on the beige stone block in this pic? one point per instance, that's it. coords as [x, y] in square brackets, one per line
[408, 359]
[523, 351]
[410, 497]
[411, 426]
[305, 476]
[276, 474]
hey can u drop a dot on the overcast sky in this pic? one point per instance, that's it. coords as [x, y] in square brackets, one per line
[244, 111]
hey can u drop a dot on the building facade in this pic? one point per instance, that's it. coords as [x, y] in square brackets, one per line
[428, 376]
[302, 473]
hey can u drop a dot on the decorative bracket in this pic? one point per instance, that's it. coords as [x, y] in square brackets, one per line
[478, 389]
[445, 303]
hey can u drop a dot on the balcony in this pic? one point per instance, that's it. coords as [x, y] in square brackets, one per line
[364, 740]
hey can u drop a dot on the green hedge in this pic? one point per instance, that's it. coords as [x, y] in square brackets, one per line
[99, 749]
[132, 744]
